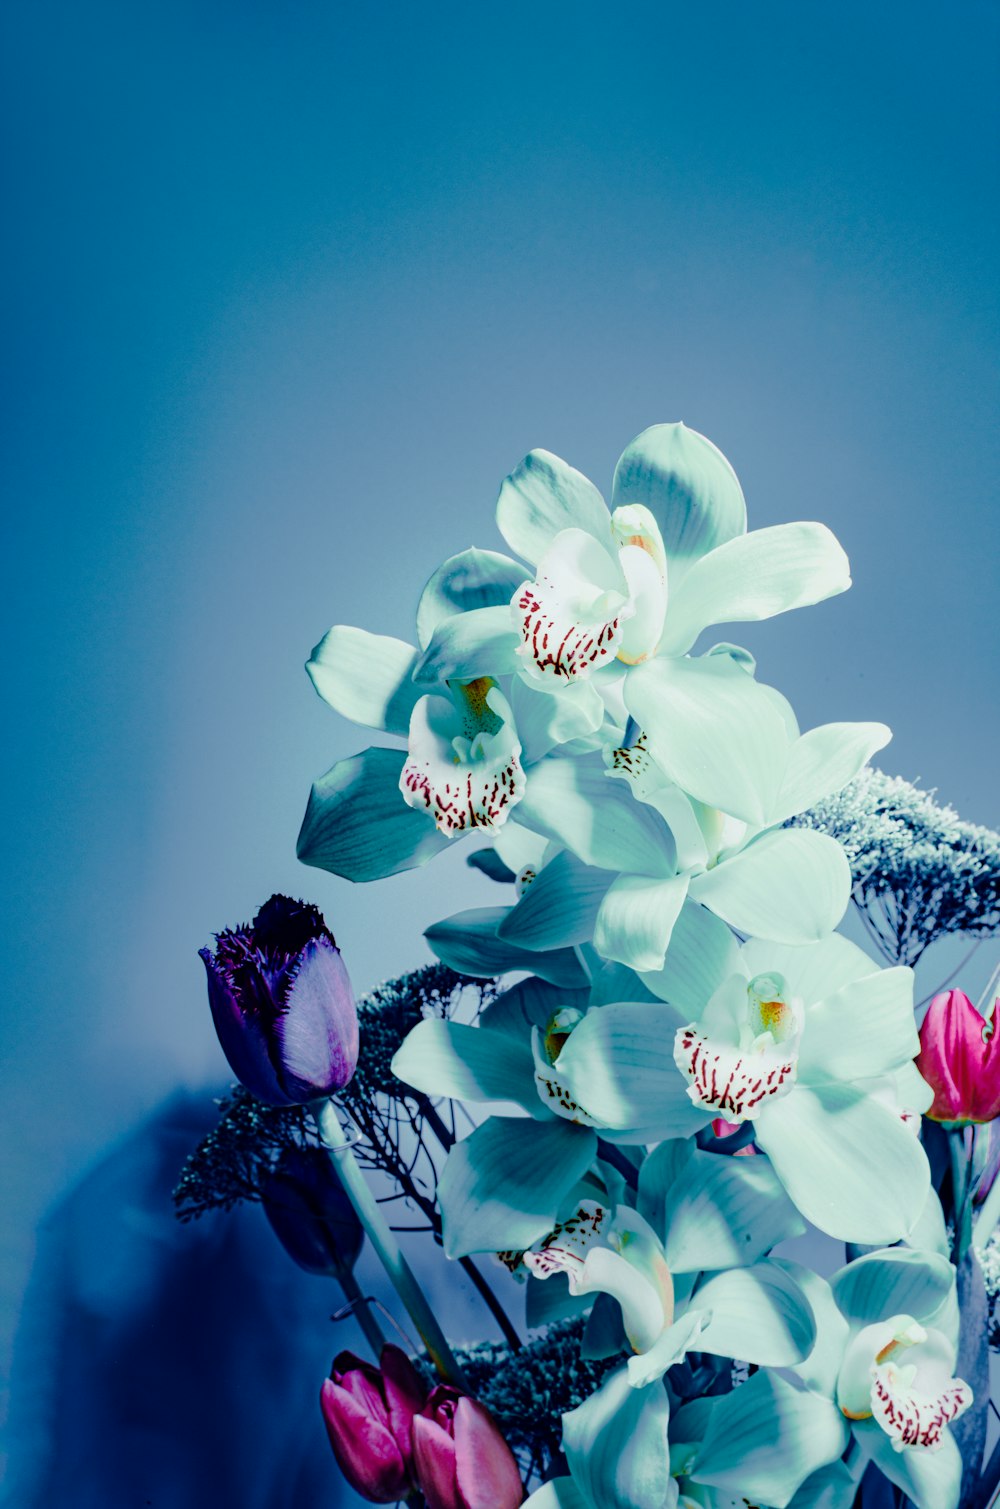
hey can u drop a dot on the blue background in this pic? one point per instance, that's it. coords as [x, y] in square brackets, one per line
[288, 290]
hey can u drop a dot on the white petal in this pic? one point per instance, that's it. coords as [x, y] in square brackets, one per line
[543, 496]
[569, 618]
[636, 918]
[462, 777]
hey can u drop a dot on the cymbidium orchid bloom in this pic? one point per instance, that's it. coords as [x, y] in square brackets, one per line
[801, 1041]
[463, 763]
[670, 558]
[885, 1354]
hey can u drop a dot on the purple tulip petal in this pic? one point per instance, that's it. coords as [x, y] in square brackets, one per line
[434, 1461]
[242, 1039]
[365, 1450]
[316, 1036]
[485, 1469]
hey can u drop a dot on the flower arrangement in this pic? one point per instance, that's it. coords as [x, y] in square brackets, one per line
[695, 1065]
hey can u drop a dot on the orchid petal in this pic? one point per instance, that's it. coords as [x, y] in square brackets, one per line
[466, 1063]
[688, 486]
[546, 719]
[365, 677]
[468, 942]
[471, 579]
[608, 1272]
[862, 1030]
[756, 576]
[543, 496]
[463, 765]
[758, 1314]
[478, 643]
[570, 616]
[714, 730]
[702, 953]
[821, 1142]
[823, 761]
[529, 1003]
[503, 1184]
[619, 1065]
[724, 1212]
[573, 802]
[357, 824]
[898, 1281]
[635, 919]
[558, 1493]
[821, 1368]
[791, 884]
[811, 971]
[766, 1437]
[932, 1479]
[559, 907]
[638, 1478]
[668, 1348]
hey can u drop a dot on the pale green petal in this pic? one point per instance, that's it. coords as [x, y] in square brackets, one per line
[619, 1065]
[688, 486]
[766, 1437]
[897, 1281]
[862, 1030]
[812, 971]
[714, 730]
[930, 1233]
[912, 1091]
[822, 762]
[847, 1161]
[756, 576]
[559, 907]
[560, 1493]
[608, 1272]
[546, 719]
[482, 642]
[635, 919]
[758, 1314]
[669, 1348]
[791, 884]
[593, 1435]
[471, 579]
[574, 802]
[932, 1479]
[467, 1063]
[468, 942]
[613, 982]
[357, 824]
[489, 863]
[833, 1487]
[502, 1186]
[366, 677]
[725, 1212]
[702, 954]
[529, 1003]
[821, 1368]
[543, 496]
[660, 1171]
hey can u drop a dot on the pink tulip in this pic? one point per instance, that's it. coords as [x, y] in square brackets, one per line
[960, 1059]
[462, 1461]
[369, 1419]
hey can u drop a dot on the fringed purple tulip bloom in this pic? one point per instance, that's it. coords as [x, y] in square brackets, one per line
[369, 1419]
[310, 1213]
[462, 1461]
[960, 1059]
[283, 1005]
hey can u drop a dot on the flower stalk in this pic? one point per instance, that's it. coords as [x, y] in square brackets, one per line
[385, 1244]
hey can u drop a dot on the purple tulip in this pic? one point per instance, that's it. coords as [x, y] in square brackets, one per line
[960, 1059]
[283, 1005]
[369, 1419]
[310, 1213]
[462, 1461]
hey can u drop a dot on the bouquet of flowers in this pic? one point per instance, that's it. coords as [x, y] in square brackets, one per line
[693, 1067]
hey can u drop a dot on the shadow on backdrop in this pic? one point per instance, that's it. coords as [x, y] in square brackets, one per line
[168, 1366]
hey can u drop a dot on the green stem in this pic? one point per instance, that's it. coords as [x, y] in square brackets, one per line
[385, 1244]
[374, 1334]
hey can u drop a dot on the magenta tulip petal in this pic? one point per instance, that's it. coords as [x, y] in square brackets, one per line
[960, 1059]
[434, 1462]
[365, 1450]
[404, 1394]
[487, 1474]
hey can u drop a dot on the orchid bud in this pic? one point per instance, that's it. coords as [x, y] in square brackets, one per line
[282, 1004]
[310, 1213]
[461, 1459]
[369, 1420]
[960, 1059]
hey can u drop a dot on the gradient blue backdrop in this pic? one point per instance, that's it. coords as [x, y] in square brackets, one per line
[288, 290]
